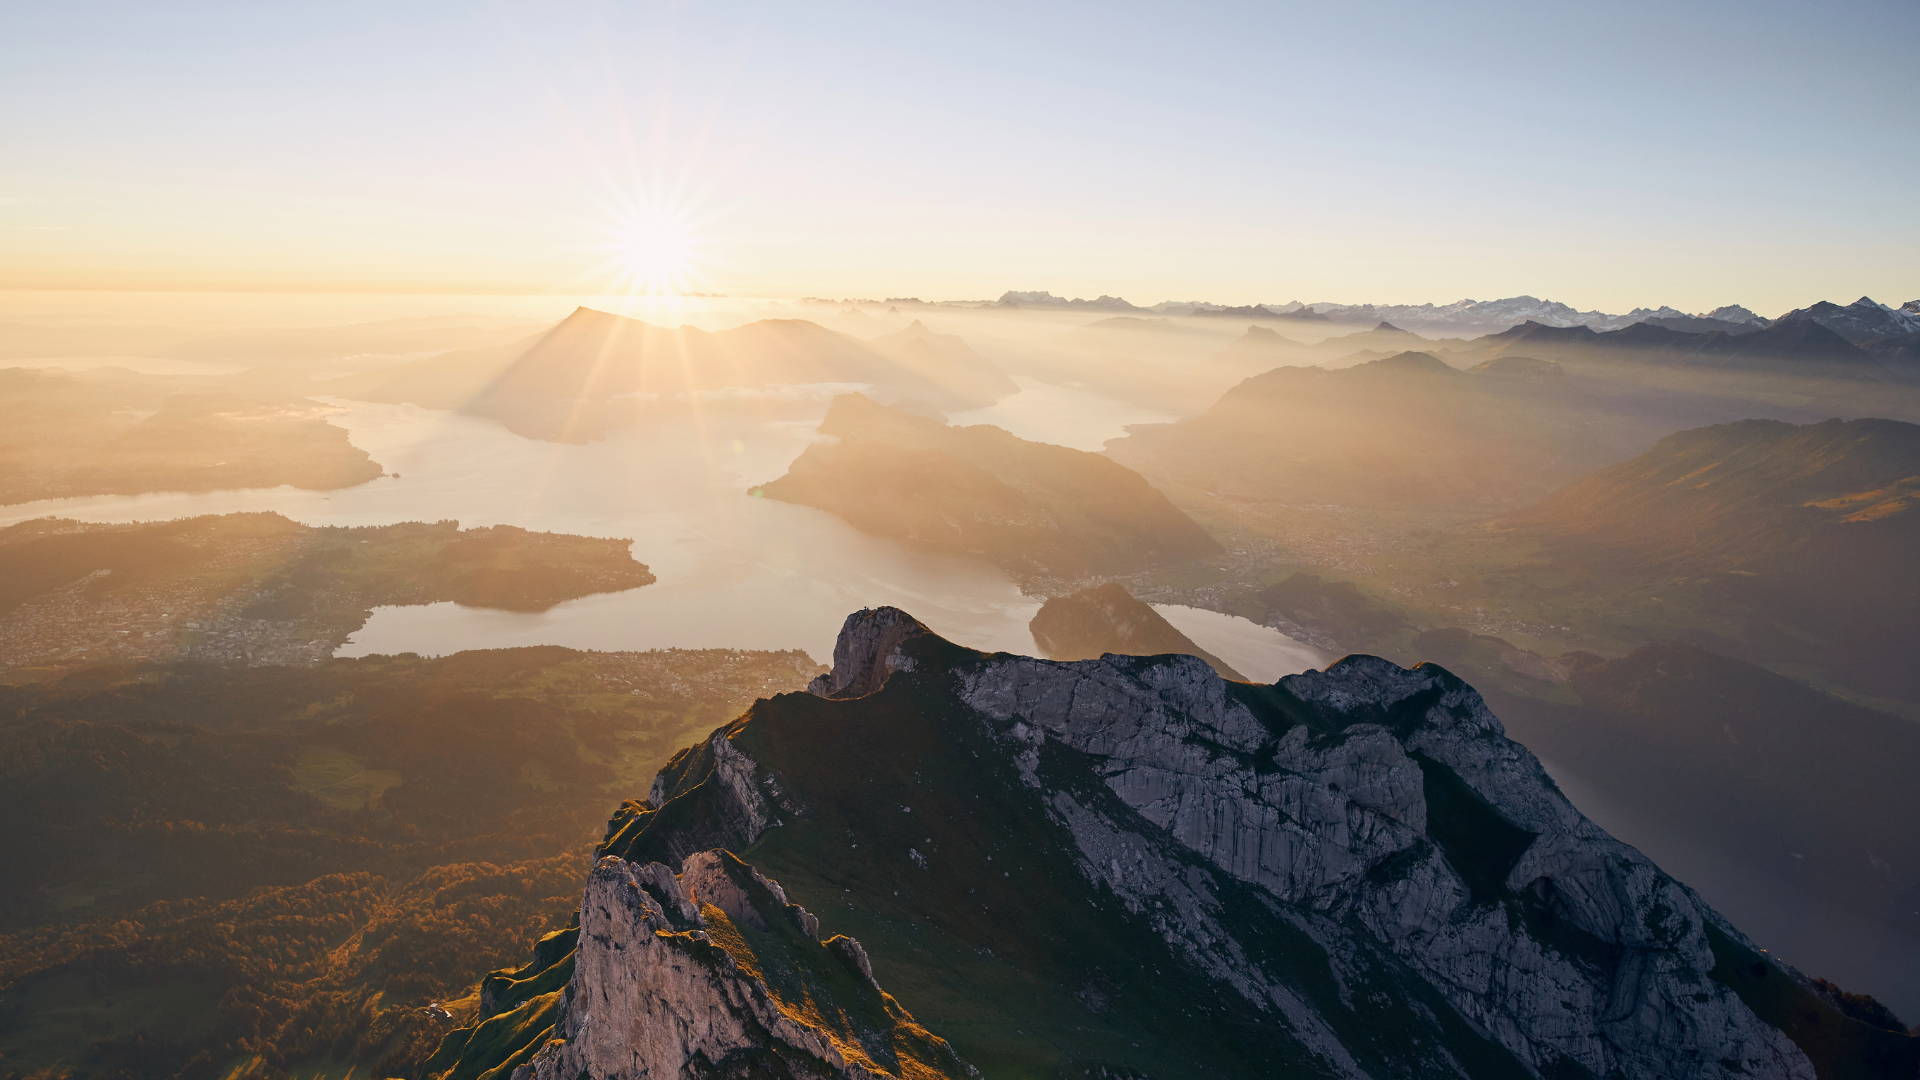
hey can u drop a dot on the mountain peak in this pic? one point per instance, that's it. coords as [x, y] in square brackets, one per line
[1150, 847]
[867, 651]
[589, 316]
[1410, 361]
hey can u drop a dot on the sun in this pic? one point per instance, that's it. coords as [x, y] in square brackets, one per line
[655, 251]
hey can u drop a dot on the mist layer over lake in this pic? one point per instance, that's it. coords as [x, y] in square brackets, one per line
[1047, 412]
[733, 570]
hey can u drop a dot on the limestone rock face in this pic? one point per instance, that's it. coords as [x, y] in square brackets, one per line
[1131, 867]
[867, 652]
[1339, 824]
[674, 976]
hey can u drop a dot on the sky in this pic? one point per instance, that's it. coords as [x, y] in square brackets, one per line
[1607, 154]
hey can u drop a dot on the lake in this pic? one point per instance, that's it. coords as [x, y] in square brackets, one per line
[734, 570]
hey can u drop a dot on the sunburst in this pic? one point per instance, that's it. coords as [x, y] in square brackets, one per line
[654, 250]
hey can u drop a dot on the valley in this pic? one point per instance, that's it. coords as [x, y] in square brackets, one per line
[264, 870]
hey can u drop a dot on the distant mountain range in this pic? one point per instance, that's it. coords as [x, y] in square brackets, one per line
[1865, 320]
[1797, 341]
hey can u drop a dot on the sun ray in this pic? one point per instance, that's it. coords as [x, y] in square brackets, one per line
[653, 248]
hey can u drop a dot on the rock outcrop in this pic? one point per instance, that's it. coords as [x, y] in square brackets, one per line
[1132, 867]
[704, 972]
[1109, 619]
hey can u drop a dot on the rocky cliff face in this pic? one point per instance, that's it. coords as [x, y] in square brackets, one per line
[1131, 867]
[704, 971]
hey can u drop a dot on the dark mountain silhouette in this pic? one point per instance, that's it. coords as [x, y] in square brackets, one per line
[1701, 324]
[1789, 346]
[1799, 340]
[1383, 337]
[1863, 322]
[1537, 332]
[1108, 619]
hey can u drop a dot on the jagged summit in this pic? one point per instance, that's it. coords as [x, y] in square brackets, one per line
[1043, 299]
[867, 651]
[1864, 322]
[1131, 867]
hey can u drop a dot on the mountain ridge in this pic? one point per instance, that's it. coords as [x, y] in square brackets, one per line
[1348, 873]
[1862, 322]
